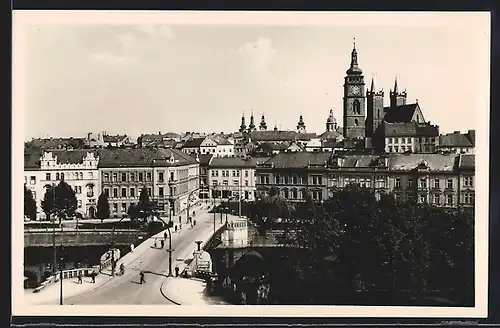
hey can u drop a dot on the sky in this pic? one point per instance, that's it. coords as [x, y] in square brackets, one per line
[166, 74]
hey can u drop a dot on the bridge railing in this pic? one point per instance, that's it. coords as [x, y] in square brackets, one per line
[67, 274]
[67, 230]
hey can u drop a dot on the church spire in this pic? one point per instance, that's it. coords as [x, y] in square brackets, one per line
[372, 87]
[243, 125]
[251, 126]
[354, 55]
[354, 69]
[263, 125]
[396, 85]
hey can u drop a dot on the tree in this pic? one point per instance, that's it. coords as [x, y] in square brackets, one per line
[60, 201]
[103, 211]
[48, 202]
[133, 212]
[29, 204]
[144, 206]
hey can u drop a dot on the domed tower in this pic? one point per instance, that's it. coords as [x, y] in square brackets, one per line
[301, 126]
[331, 122]
[243, 126]
[354, 100]
[263, 125]
[251, 126]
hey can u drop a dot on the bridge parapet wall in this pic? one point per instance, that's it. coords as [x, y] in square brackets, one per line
[45, 238]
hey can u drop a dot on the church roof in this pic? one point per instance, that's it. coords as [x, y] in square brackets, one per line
[330, 135]
[400, 114]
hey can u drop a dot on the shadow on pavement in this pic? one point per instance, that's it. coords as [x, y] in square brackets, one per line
[135, 282]
[156, 273]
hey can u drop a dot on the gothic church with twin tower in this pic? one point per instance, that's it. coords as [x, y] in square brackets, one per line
[363, 109]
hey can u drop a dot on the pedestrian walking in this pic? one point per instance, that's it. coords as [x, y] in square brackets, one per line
[122, 269]
[175, 228]
[176, 271]
[142, 280]
[156, 245]
[164, 235]
[162, 243]
[93, 277]
[80, 280]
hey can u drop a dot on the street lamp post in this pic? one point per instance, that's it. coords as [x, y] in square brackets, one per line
[61, 270]
[54, 268]
[169, 250]
[170, 200]
[188, 204]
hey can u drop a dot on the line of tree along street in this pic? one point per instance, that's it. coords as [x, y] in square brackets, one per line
[354, 244]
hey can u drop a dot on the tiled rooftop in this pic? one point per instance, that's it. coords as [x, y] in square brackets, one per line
[298, 159]
[457, 139]
[435, 162]
[236, 161]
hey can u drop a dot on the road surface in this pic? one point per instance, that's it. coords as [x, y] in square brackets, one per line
[126, 290]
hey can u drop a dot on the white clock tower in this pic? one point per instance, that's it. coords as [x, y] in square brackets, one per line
[354, 100]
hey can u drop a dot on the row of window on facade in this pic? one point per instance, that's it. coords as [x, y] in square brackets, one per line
[89, 190]
[131, 177]
[226, 183]
[403, 140]
[133, 192]
[436, 199]
[380, 181]
[226, 173]
[315, 179]
[402, 149]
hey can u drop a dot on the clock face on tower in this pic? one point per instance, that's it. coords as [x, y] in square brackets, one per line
[355, 90]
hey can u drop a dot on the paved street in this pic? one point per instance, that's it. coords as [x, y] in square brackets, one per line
[127, 290]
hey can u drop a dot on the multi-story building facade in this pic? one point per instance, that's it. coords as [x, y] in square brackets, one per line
[456, 142]
[169, 176]
[294, 174]
[204, 161]
[232, 177]
[438, 179]
[410, 137]
[78, 168]
[215, 145]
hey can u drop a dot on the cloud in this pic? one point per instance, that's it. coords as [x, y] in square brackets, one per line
[156, 31]
[126, 40]
[260, 53]
[258, 57]
[109, 58]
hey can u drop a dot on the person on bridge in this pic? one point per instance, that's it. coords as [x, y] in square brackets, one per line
[162, 242]
[175, 228]
[93, 277]
[80, 277]
[164, 235]
[122, 269]
[142, 280]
